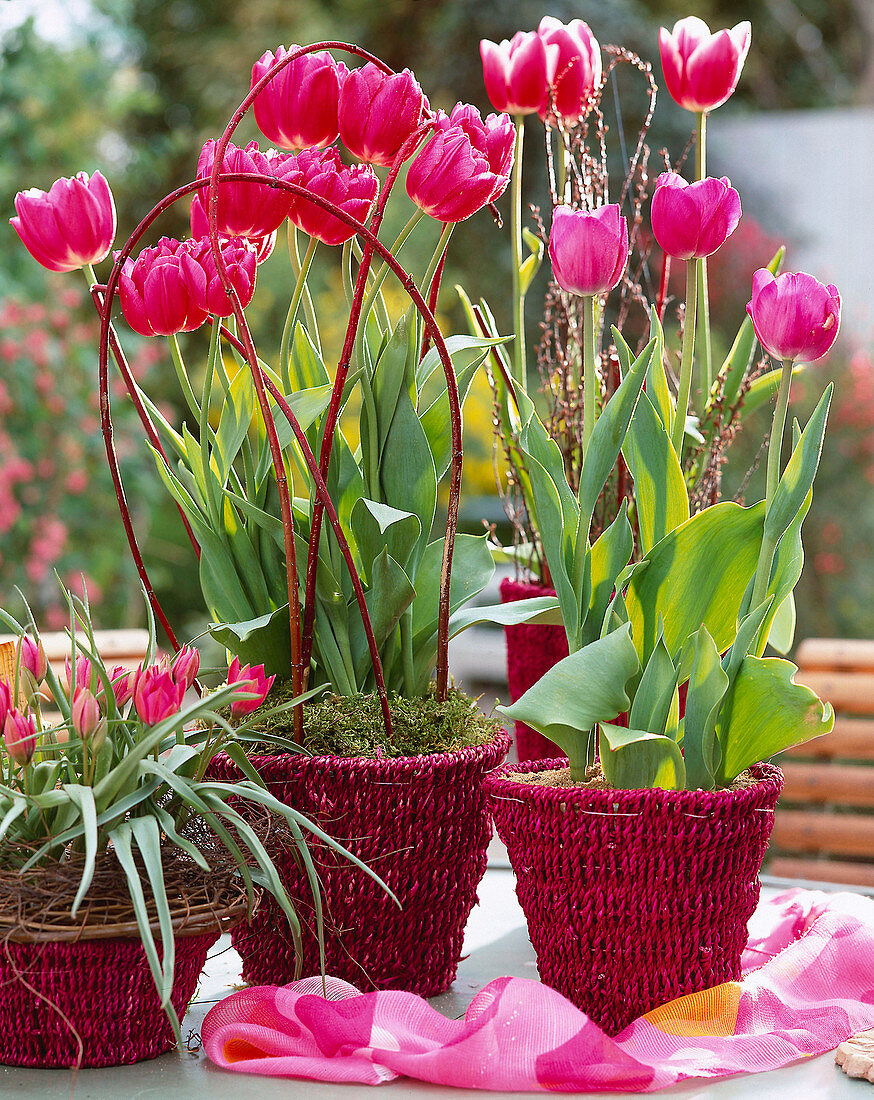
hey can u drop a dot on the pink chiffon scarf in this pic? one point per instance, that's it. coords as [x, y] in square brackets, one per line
[808, 985]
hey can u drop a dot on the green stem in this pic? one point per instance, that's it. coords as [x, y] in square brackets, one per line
[435, 258]
[182, 375]
[700, 145]
[685, 386]
[520, 371]
[209, 374]
[705, 345]
[294, 305]
[297, 268]
[590, 376]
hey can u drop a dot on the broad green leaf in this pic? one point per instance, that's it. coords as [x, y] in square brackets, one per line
[531, 264]
[538, 611]
[610, 554]
[763, 390]
[659, 486]
[696, 574]
[436, 422]
[465, 351]
[407, 472]
[585, 688]
[748, 630]
[472, 569]
[767, 712]
[636, 760]
[655, 692]
[307, 406]
[782, 633]
[797, 479]
[785, 573]
[265, 640]
[656, 386]
[389, 595]
[82, 798]
[238, 411]
[708, 684]
[391, 375]
[307, 369]
[377, 527]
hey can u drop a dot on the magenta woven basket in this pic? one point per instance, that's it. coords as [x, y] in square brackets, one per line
[634, 898]
[422, 823]
[531, 651]
[101, 990]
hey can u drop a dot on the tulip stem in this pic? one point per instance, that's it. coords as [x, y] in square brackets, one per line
[300, 268]
[775, 444]
[294, 306]
[705, 345]
[589, 373]
[520, 372]
[182, 375]
[685, 385]
[438, 254]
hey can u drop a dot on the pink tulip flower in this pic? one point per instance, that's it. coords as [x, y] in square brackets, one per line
[353, 189]
[19, 736]
[122, 685]
[702, 69]
[70, 226]
[464, 166]
[578, 69]
[518, 73]
[157, 695]
[692, 220]
[83, 675]
[5, 700]
[164, 290]
[85, 714]
[248, 209]
[298, 108]
[250, 679]
[33, 657]
[794, 315]
[241, 262]
[200, 228]
[378, 111]
[588, 250]
[186, 666]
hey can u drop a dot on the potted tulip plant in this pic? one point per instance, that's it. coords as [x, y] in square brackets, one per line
[317, 559]
[121, 861]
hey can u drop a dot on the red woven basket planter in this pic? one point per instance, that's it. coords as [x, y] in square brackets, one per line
[422, 823]
[634, 898]
[531, 651]
[101, 990]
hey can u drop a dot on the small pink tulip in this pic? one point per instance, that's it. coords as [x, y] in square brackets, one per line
[33, 657]
[241, 262]
[464, 165]
[298, 108]
[164, 290]
[378, 111]
[83, 675]
[692, 220]
[123, 681]
[200, 228]
[518, 73]
[702, 69]
[85, 714]
[588, 250]
[5, 701]
[248, 209]
[577, 71]
[250, 679]
[19, 736]
[353, 188]
[157, 695]
[70, 226]
[186, 665]
[794, 315]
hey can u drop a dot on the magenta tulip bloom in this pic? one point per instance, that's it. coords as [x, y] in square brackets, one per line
[241, 261]
[123, 681]
[353, 189]
[70, 226]
[691, 220]
[85, 714]
[518, 73]
[378, 111]
[577, 71]
[185, 666]
[200, 228]
[794, 315]
[19, 736]
[164, 290]
[33, 657]
[248, 209]
[298, 108]
[250, 679]
[588, 250]
[464, 166]
[157, 695]
[83, 675]
[702, 69]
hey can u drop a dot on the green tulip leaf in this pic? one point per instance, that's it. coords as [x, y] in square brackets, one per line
[636, 760]
[708, 684]
[797, 479]
[655, 692]
[609, 556]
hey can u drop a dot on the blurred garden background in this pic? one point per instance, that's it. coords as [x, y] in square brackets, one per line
[134, 87]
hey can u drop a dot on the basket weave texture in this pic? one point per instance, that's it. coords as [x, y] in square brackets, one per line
[105, 990]
[634, 898]
[421, 823]
[531, 651]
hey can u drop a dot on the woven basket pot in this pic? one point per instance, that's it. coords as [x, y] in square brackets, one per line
[531, 651]
[634, 898]
[422, 823]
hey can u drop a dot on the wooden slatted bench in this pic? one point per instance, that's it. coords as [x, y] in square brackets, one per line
[824, 827]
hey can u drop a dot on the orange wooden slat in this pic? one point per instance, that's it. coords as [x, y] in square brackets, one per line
[851, 739]
[837, 834]
[848, 692]
[850, 654]
[846, 784]
[821, 870]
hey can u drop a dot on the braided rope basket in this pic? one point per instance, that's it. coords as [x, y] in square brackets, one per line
[634, 898]
[531, 651]
[80, 993]
[422, 823]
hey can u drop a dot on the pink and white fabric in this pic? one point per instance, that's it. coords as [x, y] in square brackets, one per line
[808, 985]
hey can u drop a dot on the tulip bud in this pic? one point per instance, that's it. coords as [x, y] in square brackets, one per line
[98, 737]
[353, 189]
[185, 666]
[19, 736]
[693, 220]
[588, 249]
[297, 109]
[702, 69]
[794, 315]
[378, 111]
[33, 657]
[518, 74]
[249, 679]
[578, 68]
[157, 695]
[70, 226]
[85, 714]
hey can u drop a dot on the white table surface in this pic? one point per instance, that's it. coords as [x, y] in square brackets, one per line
[496, 943]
